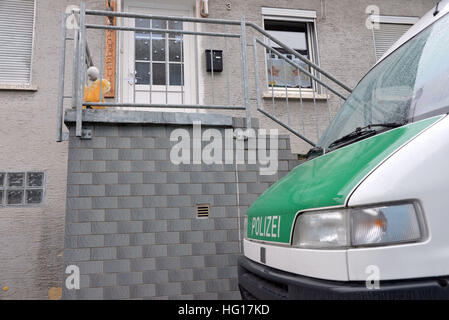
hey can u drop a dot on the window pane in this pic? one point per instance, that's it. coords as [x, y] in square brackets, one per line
[295, 40]
[159, 74]
[142, 45]
[281, 73]
[175, 25]
[176, 75]
[142, 73]
[142, 23]
[292, 33]
[175, 48]
[295, 35]
[2, 180]
[158, 50]
[16, 179]
[1, 197]
[15, 197]
[35, 179]
[159, 24]
[34, 196]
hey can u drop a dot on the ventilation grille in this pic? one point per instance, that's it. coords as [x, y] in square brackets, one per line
[203, 210]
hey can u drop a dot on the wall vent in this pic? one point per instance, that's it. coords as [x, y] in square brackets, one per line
[203, 210]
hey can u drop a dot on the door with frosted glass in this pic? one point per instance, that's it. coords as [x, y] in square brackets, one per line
[159, 63]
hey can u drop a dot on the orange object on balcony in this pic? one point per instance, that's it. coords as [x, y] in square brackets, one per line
[95, 89]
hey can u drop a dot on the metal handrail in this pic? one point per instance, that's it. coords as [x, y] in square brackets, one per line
[155, 105]
[212, 34]
[83, 59]
[158, 17]
[89, 59]
[220, 21]
[300, 68]
[300, 57]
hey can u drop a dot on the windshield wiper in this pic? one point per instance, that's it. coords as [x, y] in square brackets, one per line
[314, 153]
[361, 133]
[358, 134]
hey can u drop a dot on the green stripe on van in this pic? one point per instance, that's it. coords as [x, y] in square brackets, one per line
[323, 182]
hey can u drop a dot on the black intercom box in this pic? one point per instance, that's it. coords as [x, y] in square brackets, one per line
[216, 60]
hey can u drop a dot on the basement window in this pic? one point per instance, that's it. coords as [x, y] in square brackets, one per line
[21, 188]
[297, 29]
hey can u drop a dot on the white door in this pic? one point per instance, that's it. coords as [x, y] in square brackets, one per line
[158, 68]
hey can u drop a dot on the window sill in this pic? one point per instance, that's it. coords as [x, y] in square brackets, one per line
[18, 87]
[294, 95]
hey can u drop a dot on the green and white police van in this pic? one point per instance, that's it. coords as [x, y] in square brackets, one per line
[367, 215]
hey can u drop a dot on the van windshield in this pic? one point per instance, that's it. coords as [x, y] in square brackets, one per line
[409, 85]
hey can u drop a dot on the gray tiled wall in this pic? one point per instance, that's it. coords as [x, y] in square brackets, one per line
[131, 224]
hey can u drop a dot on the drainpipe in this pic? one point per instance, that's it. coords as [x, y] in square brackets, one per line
[323, 10]
[204, 8]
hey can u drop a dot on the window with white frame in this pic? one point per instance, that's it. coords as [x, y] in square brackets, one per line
[297, 29]
[387, 30]
[16, 41]
[21, 188]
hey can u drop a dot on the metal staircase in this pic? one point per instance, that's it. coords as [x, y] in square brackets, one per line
[299, 110]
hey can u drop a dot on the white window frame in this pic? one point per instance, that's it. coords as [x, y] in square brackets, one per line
[394, 19]
[25, 86]
[308, 16]
[123, 61]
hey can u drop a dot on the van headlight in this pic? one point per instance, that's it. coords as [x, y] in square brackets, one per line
[354, 227]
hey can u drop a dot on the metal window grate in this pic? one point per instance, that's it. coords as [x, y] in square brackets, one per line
[203, 210]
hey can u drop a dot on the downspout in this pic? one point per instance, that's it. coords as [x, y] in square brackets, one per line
[323, 10]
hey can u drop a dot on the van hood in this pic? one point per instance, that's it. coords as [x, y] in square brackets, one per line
[326, 181]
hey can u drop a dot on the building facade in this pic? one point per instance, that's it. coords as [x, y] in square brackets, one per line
[337, 35]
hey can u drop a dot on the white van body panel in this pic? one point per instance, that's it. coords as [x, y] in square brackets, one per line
[321, 264]
[419, 170]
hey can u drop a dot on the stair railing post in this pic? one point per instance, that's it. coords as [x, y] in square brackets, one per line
[256, 75]
[61, 78]
[243, 57]
[81, 70]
